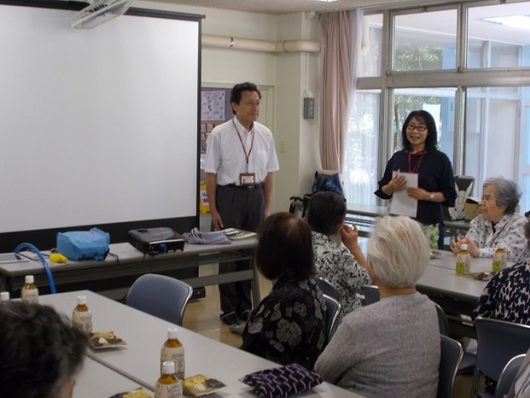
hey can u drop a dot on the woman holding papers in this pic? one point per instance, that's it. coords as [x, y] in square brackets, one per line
[420, 160]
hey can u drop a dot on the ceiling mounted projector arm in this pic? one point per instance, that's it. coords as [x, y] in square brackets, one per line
[100, 11]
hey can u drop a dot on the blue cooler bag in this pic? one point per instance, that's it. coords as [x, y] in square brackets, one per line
[84, 245]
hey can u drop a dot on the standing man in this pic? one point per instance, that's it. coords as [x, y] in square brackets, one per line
[240, 160]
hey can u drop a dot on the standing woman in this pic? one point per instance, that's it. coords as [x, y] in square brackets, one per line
[436, 184]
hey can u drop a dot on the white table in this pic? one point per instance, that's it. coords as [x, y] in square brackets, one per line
[144, 334]
[457, 294]
[130, 263]
[97, 380]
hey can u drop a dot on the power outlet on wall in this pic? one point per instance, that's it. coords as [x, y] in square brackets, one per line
[309, 108]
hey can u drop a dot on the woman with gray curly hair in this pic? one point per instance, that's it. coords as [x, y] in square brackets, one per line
[390, 348]
[498, 225]
[41, 352]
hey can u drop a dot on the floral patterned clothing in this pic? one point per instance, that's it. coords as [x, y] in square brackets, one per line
[335, 264]
[507, 296]
[288, 326]
[508, 234]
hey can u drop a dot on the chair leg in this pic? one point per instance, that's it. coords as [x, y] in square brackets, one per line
[474, 384]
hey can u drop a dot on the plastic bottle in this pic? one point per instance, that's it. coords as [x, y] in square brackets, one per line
[499, 260]
[168, 386]
[81, 316]
[462, 260]
[173, 350]
[4, 296]
[29, 292]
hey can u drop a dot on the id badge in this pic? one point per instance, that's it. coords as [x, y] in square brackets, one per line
[247, 179]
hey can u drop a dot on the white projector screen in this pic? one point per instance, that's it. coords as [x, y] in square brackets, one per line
[99, 127]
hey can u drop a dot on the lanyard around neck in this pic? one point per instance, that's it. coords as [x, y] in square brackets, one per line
[417, 165]
[247, 155]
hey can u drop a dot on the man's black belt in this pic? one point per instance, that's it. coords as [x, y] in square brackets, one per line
[246, 187]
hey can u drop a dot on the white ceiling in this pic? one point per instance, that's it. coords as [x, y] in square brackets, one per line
[287, 6]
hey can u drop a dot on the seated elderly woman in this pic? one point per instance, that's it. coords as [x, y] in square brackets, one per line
[498, 225]
[338, 256]
[507, 294]
[41, 352]
[390, 348]
[288, 325]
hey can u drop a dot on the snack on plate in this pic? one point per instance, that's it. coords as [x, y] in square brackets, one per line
[101, 340]
[138, 393]
[198, 385]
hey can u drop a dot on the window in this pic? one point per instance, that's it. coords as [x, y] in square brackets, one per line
[476, 86]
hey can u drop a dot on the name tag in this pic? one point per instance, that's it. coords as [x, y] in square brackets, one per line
[247, 179]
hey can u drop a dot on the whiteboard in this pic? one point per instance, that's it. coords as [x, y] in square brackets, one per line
[97, 126]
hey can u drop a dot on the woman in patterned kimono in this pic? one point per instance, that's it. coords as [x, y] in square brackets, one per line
[499, 225]
[288, 326]
[338, 256]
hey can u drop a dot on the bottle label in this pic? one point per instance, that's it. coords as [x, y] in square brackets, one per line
[499, 262]
[175, 354]
[82, 321]
[30, 296]
[462, 264]
[168, 390]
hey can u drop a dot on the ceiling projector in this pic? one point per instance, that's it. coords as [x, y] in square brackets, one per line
[98, 12]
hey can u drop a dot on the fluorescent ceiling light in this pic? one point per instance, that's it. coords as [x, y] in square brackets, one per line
[327, 1]
[514, 21]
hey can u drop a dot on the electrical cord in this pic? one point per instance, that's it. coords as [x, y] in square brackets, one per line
[26, 245]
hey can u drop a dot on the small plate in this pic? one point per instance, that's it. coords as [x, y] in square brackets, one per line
[481, 276]
[104, 340]
[199, 385]
[138, 393]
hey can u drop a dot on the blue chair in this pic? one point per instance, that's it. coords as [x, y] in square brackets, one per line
[450, 356]
[497, 342]
[508, 374]
[160, 296]
[332, 316]
[370, 293]
[327, 288]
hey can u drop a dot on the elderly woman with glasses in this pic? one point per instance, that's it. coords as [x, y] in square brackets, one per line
[498, 225]
[436, 184]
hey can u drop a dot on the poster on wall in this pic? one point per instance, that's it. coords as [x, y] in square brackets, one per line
[213, 105]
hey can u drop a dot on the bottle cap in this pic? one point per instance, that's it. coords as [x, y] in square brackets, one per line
[4, 296]
[172, 333]
[81, 300]
[168, 367]
[463, 246]
[29, 279]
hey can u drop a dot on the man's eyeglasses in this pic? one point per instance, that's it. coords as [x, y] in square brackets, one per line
[413, 127]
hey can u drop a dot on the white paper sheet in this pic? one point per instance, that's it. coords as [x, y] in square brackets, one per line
[402, 204]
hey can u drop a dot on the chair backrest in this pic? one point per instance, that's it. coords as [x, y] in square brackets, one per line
[508, 374]
[327, 288]
[497, 342]
[332, 316]
[370, 293]
[450, 356]
[443, 323]
[161, 296]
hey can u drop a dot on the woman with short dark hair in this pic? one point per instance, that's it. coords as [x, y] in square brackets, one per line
[41, 353]
[338, 256]
[288, 326]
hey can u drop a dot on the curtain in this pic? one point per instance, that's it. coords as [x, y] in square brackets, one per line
[336, 78]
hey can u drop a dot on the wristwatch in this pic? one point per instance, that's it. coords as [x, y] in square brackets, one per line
[431, 196]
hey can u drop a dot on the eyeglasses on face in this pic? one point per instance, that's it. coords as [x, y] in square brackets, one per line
[419, 127]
